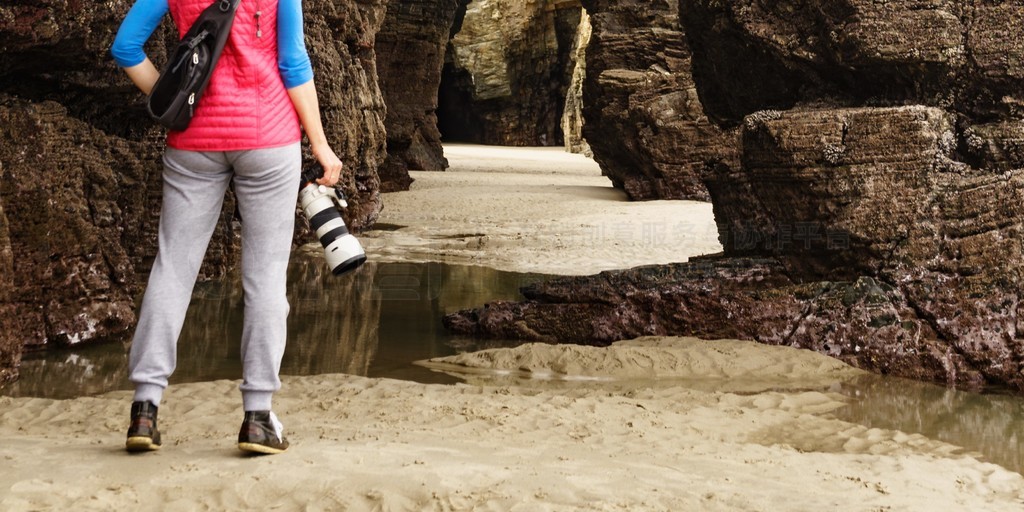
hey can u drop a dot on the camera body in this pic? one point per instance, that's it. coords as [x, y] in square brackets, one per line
[320, 206]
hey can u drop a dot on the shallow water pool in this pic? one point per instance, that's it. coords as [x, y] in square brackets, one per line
[379, 320]
[372, 323]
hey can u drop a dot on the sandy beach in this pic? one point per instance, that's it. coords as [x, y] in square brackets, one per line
[534, 210]
[659, 424]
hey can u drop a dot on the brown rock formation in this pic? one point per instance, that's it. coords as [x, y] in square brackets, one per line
[851, 53]
[820, 179]
[340, 38]
[866, 323]
[885, 254]
[957, 56]
[507, 72]
[641, 102]
[572, 118]
[886, 235]
[410, 53]
[75, 201]
[80, 163]
[10, 344]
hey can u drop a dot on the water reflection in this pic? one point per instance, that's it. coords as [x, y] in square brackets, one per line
[374, 323]
[990, 424]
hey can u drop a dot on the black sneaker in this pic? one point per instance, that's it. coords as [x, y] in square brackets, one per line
[143, 435]
[261, 433]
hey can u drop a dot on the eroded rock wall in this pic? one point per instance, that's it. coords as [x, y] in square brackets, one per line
[72, 199]
[572, 117]
[410, 54]
[340, 38]
[80, 163]
[873, 210]
[750, 56]
[641, 104]
[507, 72]
[957, 56]
[10, 344]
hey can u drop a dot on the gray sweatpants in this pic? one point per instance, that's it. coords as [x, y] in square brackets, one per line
[266, 186]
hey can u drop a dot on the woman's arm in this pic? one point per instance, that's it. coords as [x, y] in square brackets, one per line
[308, 107]
[143, 75]
[138, 25]
[297, 74]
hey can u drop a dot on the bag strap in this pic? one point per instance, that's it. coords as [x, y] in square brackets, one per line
[172, 99]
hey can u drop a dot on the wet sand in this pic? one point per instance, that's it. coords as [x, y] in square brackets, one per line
[651, 424]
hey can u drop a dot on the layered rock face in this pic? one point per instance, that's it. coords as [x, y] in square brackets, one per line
[77, 204]
[410, 54]
[507, 72]
[340, 38]
[751, 56]
[642, 105]
[80, 164]
[873, 211]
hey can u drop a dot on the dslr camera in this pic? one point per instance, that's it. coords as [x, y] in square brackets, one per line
[320, 206]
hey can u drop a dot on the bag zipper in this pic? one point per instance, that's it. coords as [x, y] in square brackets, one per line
[259, 12]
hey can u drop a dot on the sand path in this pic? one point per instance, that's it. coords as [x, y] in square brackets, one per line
[534, 210]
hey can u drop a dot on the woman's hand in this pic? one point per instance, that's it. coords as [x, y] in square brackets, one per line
[330, 162]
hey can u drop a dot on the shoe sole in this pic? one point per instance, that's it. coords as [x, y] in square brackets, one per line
[259, 448]
[140, 444]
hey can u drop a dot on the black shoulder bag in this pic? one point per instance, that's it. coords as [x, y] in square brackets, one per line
[172, 102]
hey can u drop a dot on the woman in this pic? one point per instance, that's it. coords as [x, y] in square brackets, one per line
[246, 130]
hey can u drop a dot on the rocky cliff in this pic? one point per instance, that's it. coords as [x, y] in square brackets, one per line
[658, 77]
[410, 54]
[80, 163]
[642, 104]
[507, 72]
[869, 203]
[340, 38]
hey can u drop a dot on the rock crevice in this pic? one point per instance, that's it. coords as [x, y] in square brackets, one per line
[410, 50]
[507, 72]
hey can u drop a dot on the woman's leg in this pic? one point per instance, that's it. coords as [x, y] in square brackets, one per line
[267, 187]
[193, 192]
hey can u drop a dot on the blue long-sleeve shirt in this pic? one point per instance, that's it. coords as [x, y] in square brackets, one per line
[145, 15]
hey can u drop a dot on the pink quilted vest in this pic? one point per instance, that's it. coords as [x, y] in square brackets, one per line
[246, 105]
